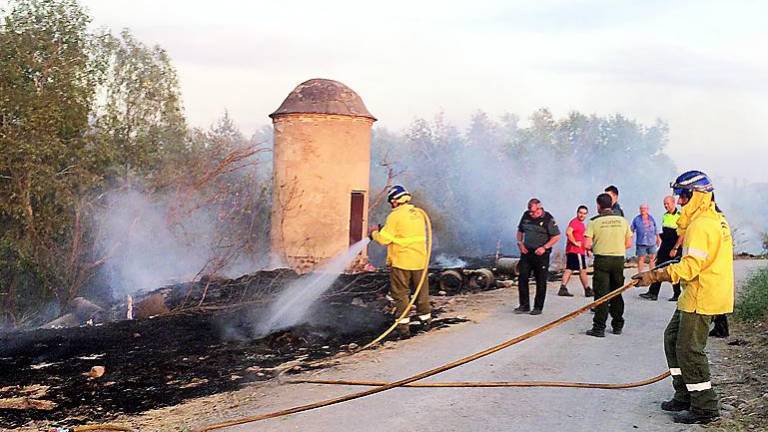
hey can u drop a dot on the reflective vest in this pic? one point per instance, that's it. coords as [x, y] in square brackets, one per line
[670, 220]
[706, 268]
[669, 228]
[404, 235]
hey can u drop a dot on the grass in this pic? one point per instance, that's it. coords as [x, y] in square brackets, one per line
[752, 303]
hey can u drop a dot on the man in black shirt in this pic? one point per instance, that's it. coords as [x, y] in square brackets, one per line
[613, 191]
[536, 234]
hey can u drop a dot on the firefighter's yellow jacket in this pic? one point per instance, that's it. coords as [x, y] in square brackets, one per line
[404, 235]
[706, 269]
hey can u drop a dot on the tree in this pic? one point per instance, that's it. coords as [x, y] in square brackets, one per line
[50, 72]
[79, 112]
[141, 122]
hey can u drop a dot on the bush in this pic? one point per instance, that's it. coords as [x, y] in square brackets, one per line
[752, 303]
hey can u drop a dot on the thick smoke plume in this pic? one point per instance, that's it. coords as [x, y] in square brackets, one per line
[207, 215]
[147, 251]
[476, 183]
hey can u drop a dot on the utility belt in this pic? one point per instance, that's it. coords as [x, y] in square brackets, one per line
[610, 258]
[532, 250]
[668, 234]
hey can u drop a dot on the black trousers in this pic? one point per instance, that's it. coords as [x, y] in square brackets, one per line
[661, 257]
[539, 266]
[608, 275]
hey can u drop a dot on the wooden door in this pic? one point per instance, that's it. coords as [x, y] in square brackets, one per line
[357, 203]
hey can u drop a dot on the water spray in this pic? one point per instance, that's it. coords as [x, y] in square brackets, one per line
[291, 307]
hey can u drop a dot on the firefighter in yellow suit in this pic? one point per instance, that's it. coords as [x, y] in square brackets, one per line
[706, 273]
[404, 234]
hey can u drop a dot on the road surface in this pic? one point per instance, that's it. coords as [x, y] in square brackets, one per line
[562, 354]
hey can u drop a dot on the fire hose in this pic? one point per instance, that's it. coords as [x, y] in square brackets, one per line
[419, 287]
[380, 387]
[460, 384]
[94, 427]
[448, 366]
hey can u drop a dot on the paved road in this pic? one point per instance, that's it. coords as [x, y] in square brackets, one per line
[563, 353]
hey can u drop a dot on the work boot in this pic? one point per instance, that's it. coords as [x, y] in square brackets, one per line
[695, 416]
[426, 321]
[403, 331]
[617, 330]
[588, 292]
[675, 405]
[522, 310]
[596, 332]
[564, 292]
[536, 311]
[649, 296]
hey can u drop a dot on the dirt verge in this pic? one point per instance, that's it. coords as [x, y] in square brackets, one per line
[741, 374]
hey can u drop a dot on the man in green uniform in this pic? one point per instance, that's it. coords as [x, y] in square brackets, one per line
[608, 236]
[706, 273]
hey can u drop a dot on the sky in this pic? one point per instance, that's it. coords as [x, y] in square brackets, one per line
[699, 65]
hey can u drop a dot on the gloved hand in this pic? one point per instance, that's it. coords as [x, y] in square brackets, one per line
[371, 230]
[652, 276]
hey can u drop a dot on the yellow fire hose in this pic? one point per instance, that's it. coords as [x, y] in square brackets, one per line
[459, 384]
[409, 382]
[428, 223]
[101, 427]
[426, 374]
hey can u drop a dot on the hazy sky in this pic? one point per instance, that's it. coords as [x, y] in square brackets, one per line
[702, 66]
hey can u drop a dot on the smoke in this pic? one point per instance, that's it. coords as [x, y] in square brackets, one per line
[443, 260]
[147, 247]
[145, 251]
[743, 205]
[475, 184]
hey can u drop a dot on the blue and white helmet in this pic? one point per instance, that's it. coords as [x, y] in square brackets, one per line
[396, 192]
[691, 181]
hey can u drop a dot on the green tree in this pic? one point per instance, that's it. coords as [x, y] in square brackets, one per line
[50, 73]
[79, 112]
[141, 122]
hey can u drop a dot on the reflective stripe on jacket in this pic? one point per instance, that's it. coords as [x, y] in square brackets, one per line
[404, 235]
[706, 269]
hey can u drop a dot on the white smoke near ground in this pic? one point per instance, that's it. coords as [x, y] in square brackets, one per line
[205, 214]
[443, 260]
[147, 248]
[146, 251]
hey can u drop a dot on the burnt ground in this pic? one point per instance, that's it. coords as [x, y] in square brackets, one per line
[160, 361]
[168, 359]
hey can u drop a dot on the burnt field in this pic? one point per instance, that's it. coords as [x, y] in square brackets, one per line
[206, 344]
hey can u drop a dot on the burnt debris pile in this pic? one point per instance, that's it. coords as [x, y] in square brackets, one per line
[193, 339]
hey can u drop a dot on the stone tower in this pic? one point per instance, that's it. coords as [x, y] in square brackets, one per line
[322, 155]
